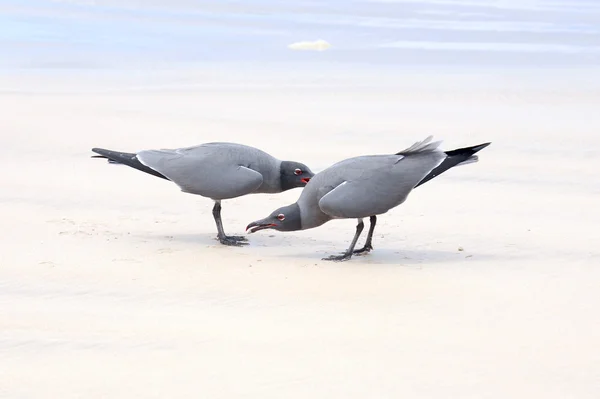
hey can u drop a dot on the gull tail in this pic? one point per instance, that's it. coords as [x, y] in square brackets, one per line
[461, 156]
[125, 158]
[422, 147]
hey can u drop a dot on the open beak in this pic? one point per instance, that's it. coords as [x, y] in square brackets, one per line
[257, 226]
[307, 176]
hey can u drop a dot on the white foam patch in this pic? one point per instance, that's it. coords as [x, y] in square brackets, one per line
[317, 45]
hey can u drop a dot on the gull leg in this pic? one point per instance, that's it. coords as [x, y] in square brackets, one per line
[348, 254]
[368, 243]
[235, 241]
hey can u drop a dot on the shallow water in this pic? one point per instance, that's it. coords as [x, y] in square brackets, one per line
[112, 34]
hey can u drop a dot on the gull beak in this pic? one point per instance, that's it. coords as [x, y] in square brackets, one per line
[307, 176]
[257, 226]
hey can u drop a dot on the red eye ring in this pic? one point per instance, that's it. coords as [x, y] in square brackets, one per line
[298, 172]
[281, 217]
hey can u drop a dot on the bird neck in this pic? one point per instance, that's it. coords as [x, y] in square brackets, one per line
[311, 215]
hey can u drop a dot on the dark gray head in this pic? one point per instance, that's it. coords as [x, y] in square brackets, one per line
[294, 174]
[286, 218]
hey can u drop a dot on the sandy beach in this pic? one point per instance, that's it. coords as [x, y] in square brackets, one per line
[483, 284]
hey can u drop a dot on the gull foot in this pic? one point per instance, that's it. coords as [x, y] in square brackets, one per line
[232, 241]
[339, 258]
[364, 250]
[238, 238]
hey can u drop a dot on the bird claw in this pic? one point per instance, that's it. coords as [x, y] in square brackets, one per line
[339, 258]
[233, 241]
[238, 238]
[364, 250]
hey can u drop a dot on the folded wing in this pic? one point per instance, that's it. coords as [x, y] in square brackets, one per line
[198, 175]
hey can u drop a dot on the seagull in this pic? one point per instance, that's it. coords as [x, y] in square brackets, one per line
[365, 186]
[218, 171]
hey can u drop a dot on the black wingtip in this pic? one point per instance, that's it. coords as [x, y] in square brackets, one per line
[125, 158]
[467, 151]
[102, 153]
[454, 157]
[480, 147]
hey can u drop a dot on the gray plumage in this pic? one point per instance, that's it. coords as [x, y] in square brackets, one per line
[364, 186]
[217, 171]
[241, 169]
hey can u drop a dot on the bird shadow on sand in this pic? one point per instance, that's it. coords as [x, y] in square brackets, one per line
[196, 239]
[313, 250]
[401, 257]
[254, 241]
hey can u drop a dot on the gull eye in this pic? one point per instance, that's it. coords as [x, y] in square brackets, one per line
[281, 217]
[298, 172]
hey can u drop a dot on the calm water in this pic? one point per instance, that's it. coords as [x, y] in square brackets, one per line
[119, 33]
